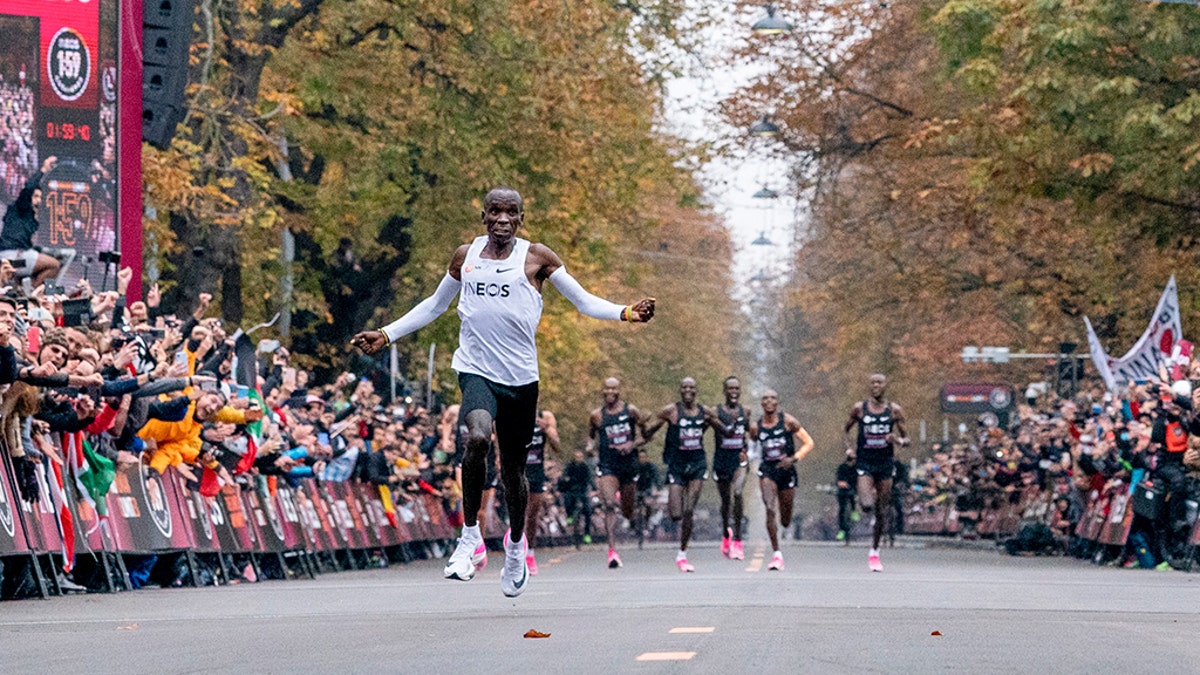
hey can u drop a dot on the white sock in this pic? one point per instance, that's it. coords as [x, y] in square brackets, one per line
[777, 554]
[529, 552]
[875, 552]
[515, 546]
[472, 532]
[682, 555]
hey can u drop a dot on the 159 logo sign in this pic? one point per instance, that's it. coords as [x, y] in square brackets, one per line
[68, 64]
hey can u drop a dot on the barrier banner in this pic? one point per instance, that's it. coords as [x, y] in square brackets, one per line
[200, 516]
[1119, 521]
[347, 516]
[377, 515]
[328, 537]
[236, 534]
[439, 526]
[143, 511]
[297, 533]
[41, 519]
[264, 519]
[1092, 520]
[12, 527]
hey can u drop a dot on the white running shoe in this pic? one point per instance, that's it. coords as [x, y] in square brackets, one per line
[462, 562]
[514, 577]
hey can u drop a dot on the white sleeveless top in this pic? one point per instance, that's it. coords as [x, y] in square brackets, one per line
[500, 312]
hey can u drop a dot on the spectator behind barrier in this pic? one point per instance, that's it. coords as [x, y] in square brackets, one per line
[1061, 455]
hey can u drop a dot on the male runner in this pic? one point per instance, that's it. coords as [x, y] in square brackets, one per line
[880, 428]
[612, 431]
[501, 278]
[777, 433]
[729, 467]
[683, 453]
[545, 432]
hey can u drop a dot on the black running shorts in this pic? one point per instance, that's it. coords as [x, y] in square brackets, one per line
[536, 475]
[513, 409]
[626, 471]
[877, 471]
[726, 464]
[785, 479]
[682, 473]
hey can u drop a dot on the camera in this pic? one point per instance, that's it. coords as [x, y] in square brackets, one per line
[109, 257]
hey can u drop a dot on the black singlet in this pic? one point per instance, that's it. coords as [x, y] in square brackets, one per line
[615, 429]
[735, 442]
[777, 442]
[685, 438]
[874, 446]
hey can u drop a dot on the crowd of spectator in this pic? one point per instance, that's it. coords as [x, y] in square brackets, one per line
[1058, 457]
[18, 151]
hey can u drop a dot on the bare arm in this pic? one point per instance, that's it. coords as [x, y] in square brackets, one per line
[665, 416]
[901, 432]
[855, 416]
[593, 429]
[712, 419]
[550, 426]
[801, 434]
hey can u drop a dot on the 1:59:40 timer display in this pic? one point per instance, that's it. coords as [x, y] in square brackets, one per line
[68, 131]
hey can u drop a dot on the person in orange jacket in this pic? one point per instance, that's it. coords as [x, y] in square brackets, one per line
[177, 442]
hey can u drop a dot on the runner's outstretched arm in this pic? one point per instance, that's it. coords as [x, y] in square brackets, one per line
[371, 341]
[426, 311]
[551, 268]
[595, 307]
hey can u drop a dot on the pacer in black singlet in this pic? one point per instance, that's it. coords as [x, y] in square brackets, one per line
[545, 434]
[880, 428]
[613, 433]
[730, 463]
[683, 453]
[777, 433]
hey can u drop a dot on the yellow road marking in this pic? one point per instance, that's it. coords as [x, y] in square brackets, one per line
[692, 629]
[755, 564]
[554, 561]
[666, 656]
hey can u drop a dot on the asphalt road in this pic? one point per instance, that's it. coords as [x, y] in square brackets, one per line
[824, 613]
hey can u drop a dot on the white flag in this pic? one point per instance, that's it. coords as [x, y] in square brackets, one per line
[1152, 349]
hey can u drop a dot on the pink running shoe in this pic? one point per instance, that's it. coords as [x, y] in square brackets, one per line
[614, 560]
[479, 557]
[776, 562]
[735, 550]
[684, 565]
[531, 564]
[726, 542]
[874, 564]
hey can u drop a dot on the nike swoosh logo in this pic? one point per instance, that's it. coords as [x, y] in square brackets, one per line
[502, 270]
[524, 578]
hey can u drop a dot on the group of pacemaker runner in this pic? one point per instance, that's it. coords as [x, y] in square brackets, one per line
[498, 280]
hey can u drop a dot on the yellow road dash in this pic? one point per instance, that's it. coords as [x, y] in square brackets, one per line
[692, 629]
[555, 561]
[755, 565]
[666, 656]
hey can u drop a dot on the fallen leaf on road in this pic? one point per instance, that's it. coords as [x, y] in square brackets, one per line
[936, 633]
[536, 634]
[132, 626]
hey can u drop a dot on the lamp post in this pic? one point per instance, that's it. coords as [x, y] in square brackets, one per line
[764, 128]
[771, 24]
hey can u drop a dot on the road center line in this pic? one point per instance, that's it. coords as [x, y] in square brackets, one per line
[666, 656]
[692, 629]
